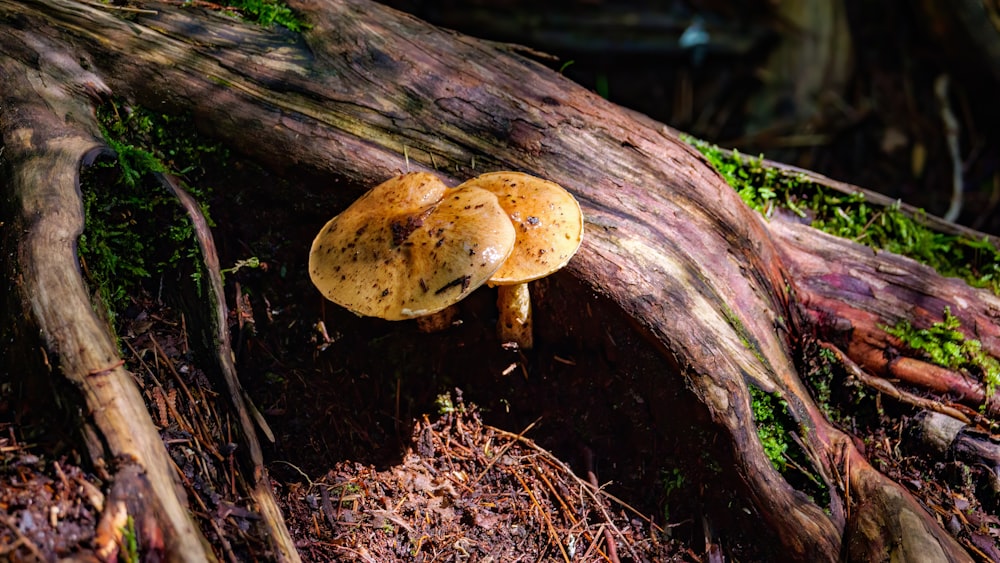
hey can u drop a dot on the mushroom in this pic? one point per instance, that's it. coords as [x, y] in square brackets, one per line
[549, 227]
[411, 246]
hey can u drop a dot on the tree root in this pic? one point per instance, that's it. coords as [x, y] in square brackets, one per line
[717, 290]
[217, 340]
[44, 150]
[886, 387]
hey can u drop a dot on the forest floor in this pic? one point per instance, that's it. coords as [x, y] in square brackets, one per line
[380, 456]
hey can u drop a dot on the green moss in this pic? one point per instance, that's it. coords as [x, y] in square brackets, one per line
[744, 335]
[444, 404]
[345, 490]
[130, 542]
[268, 13]
[850, 216]
[775, 427]
[945, 345]
[821, 379]
[146, 141]
[135, 230]
[767, 409]
[673, 482]
[843, 398]
[757, 185]
[251, 263]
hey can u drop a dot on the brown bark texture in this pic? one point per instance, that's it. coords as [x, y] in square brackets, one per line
[368, 92]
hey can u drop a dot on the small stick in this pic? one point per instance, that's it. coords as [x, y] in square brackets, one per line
[107, 370]
[891, 390]
[173, 371]
[584, 485]
[588, 457]
[192, 491]
[504, 449]
[590, 489]
[548, 521]
[22, 540]
[170, 405]
[569, 513]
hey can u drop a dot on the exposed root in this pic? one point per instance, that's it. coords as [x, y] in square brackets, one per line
[246, 414]
[886, 387]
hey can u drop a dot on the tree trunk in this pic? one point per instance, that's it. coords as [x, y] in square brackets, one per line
[368, 92]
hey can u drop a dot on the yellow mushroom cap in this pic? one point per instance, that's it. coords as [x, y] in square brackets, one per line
[409, 247]
[546, 218]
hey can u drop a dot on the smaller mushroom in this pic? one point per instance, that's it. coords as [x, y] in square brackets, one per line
[549, 229]
[410, 247]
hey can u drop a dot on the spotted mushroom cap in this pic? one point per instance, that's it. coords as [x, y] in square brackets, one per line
[409, 247]
[547, 220]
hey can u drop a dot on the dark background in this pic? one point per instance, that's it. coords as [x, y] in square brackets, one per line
[842, 87]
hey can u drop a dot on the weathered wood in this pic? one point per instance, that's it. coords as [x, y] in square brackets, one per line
[369, 92]
[212, 314]
[952, 439]
[887, 524]
[848, 293]
[47, 134]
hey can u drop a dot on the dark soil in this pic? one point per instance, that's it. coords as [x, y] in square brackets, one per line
[47, 508]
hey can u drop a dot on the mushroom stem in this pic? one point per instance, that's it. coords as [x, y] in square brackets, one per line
[437, 322]
[514, 302]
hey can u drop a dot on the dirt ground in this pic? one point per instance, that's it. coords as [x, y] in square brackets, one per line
[396, 445]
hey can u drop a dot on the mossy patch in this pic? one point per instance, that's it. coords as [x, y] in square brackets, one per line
[767, 410]
[129, 542]
[267, 13]
[135, 231]
[843, 398]
[775, 427]
[851, 216]
[944, 344]
[673, 482]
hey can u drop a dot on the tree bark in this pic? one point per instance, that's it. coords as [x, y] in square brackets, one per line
[48, 133]
[368, 92]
